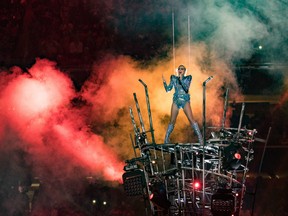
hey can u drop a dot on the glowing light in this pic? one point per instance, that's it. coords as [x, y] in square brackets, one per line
[237, 156]
[94, 201]
[196, 185]
[104, 203]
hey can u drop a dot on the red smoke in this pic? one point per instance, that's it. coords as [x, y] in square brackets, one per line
[36, 109]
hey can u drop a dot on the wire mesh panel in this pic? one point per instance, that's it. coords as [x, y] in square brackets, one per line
[134, 183]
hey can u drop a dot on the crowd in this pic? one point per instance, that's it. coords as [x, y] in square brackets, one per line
[69, 32]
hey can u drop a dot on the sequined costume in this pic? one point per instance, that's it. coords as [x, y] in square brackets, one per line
[180, 98]
[181, 95]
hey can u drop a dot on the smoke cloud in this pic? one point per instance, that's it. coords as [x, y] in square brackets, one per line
[48, 134]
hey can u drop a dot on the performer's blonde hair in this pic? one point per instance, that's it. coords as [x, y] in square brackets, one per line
[181, 65]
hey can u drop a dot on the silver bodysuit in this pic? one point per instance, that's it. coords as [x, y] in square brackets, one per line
[181, 95]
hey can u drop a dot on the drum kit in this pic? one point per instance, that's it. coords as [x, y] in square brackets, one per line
[190, 178]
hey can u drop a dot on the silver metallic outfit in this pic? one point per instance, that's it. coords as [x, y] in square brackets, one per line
[181, 95]
[180, 98]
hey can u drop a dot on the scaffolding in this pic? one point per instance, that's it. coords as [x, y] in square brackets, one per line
[190, 178]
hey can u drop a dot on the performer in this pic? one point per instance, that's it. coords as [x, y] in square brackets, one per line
[181, 99]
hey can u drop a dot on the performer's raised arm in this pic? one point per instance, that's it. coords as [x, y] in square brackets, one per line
[167, 87]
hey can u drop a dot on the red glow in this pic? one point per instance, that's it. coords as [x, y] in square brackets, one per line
[37, 110]
[196, 185]
[90, 151]
[237, 156]
[151, 196]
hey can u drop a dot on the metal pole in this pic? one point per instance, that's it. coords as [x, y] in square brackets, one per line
[173, 36]
[225, 108]
[204, 141]
[133, 145]
[241, 117]
[148, 156]
[189, 43]
[149, 111]
[260, 169]
[133, 121]
[139, 114]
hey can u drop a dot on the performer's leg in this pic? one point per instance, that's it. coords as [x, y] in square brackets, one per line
[198, 132]
[168, 132]
[174, 114]
[188, 112]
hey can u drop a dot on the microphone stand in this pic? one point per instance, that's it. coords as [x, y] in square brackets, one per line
[204, 141]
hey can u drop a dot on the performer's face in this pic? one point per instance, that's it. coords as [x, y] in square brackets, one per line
[181, 70]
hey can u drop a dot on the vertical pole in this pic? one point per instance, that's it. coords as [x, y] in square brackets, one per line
[151, 167]
[139, 115]
[133, 121]
[225, 108]
[189, 49]
[173, 41]
[143, 129]
[183, 180]
[204, 141]
[259, 170]
[241, 117]
[149, 111]
[133, 145]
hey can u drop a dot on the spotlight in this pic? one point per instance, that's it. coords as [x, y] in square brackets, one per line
[250, 133]
[237, 156]
[196, 185]
[233, 155]
[223, 203]
[134, 182]
[158, 196]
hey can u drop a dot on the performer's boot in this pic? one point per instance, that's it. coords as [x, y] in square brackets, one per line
[197, 132]
[168, 132]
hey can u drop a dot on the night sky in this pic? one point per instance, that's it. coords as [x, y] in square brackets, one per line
[69, 70]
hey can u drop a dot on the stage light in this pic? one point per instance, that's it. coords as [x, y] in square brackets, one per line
[233, 155]
[196, 185]
[237, 156]
[134, 182]
[158, 196]
[131, 166]
[223, 203]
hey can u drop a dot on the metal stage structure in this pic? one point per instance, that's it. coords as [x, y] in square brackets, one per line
[189, 178]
